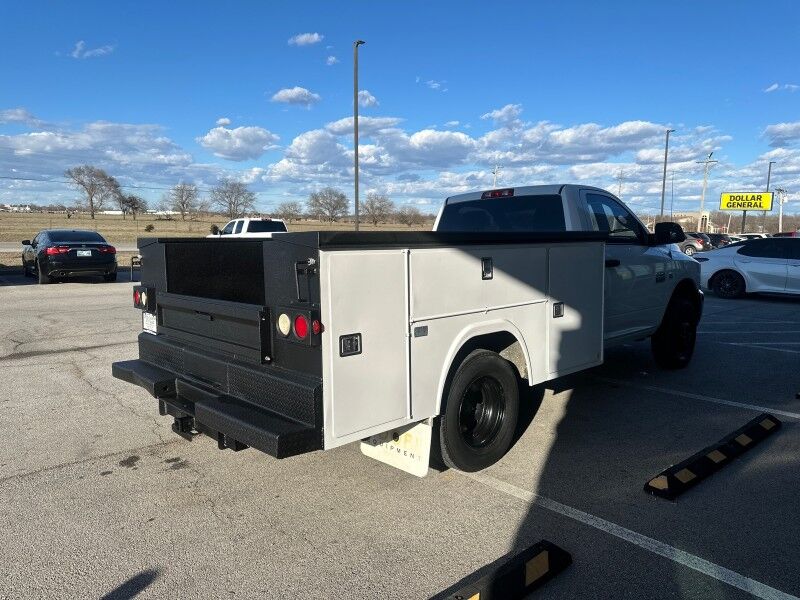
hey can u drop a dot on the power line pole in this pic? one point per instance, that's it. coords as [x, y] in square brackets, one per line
[705, 162]
[664, 179]
[356, 44]
[620, 179]
[495, 171]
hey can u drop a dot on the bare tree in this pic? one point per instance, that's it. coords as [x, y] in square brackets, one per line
[377, 208]
[329, 204]
[135, 204]
[409, 215]
[97, 185]
[289, 211]
[233, 198]
[183, 198]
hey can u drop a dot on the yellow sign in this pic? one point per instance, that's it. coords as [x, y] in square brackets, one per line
[745, 201]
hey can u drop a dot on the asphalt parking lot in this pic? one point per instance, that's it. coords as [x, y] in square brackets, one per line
[101, 499]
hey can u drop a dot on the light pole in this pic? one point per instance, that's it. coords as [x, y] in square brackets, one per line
[782, 193]
[356, 44]
[705, 185]
[664, 179]
[495, 171]
[672, 196]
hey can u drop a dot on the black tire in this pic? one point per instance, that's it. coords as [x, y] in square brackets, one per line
[479, 420]
[26, 270]
[110, 277]
[728, 284]
[674, 341]
[689, 251]
[43, 277]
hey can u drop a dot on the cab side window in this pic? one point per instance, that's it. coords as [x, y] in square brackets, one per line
[608, 215]
[239, 226]
[228, 228]
[763, 248]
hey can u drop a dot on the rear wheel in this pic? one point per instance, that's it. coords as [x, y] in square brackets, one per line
[728, 284]
[673, 343]
[480, 416]
[689, 250]
[110, 276]
[43, 276]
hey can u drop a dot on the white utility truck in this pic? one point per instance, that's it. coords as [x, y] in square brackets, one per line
[308, 341]
[246, 227]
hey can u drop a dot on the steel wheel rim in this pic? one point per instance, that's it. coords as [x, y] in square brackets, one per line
[481, 411]
[728, 284]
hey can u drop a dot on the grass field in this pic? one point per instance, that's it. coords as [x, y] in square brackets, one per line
[18, 226]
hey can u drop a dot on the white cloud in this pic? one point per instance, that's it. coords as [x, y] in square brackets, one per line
[435, 85]
[296, 95]
[305, 39]
[366, 99]
[241, 143]
[507, 115]
[20, 115]
[782, 134]
[223, 121]
[80, 51]
[787, 87]
[452, 124]
[331, 60]
[366, 125]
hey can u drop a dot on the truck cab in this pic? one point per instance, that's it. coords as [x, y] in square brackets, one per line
[643, 274]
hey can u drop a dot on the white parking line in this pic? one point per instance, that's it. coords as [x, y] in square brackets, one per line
[755, 346]
[747, 332]
[705, 322]
[732, 578]
[653, 388]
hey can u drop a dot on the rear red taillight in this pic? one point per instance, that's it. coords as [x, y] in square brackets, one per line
[144, 298]
[137, 298]
[51, 250]
[301, 327]
[107, 249]
[506, 193]
[316, 327]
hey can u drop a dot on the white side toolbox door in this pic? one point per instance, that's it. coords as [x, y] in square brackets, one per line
[365, 362]
[575, 335]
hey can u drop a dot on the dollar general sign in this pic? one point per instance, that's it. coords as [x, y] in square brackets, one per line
[745, 201]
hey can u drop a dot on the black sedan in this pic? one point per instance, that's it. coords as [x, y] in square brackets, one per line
[59, 253]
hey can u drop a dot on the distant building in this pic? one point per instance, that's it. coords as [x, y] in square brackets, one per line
[16, 208]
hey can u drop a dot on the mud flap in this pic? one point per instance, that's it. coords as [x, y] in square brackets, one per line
[407, 448]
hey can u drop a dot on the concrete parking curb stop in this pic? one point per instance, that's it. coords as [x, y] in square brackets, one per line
[675, 480]
[518, 576]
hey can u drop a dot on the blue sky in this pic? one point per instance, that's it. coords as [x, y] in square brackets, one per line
[569, 91]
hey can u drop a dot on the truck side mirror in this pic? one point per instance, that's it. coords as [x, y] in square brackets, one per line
[669, 233]
[26, 242]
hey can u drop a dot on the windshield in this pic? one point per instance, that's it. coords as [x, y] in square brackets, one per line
[520, 213]
[75, 236]
[265, 226]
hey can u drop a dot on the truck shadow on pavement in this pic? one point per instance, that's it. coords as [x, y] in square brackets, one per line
[133, 586]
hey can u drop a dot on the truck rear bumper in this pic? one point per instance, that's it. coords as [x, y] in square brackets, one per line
[235, 421]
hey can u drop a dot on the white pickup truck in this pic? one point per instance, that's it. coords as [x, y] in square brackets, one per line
[245, 227]
[411, 342]
[651, 288]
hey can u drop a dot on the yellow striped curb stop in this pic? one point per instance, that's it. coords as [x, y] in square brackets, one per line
[517, 577]
[675, 480]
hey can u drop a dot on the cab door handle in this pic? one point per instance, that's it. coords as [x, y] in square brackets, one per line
[612, 262]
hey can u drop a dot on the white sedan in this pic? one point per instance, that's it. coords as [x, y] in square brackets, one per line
[769, 265]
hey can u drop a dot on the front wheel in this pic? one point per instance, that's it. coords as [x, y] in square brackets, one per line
[673, 342]
[689, 251]
[479, 420]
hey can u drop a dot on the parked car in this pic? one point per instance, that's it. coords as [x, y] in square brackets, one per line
[706, 241]
[753, 236]
[719, 240]
[791, 234]
[251, 228]
[770, 265]
[691, 245]
[55, 254]
[736, 238]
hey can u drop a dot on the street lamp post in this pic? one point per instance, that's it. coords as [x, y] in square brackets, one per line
[356, 44]
[782, 193]
[707, 161]
[664, 178]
